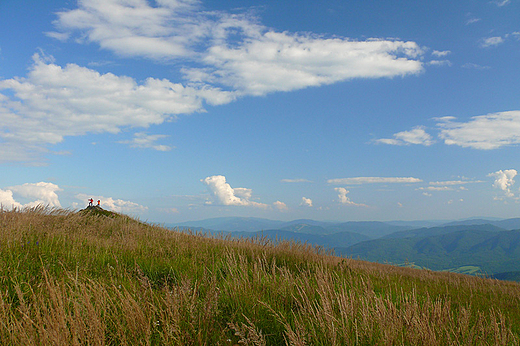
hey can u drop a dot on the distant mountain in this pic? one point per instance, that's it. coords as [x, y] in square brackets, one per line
[433, 231]
[328, 241]
[508, 224]
[372, 229]
[492, 250]
[233, 224]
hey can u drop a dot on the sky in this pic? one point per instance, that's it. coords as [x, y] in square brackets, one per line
[177, 110]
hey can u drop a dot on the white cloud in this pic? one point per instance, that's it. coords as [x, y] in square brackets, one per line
[143, 140]
[295, 181]
[234, 50]
[306, 202]
[281, 206]
[504, 180]
[55, 102]
[415, 136]
[223, 194]
[491, 41]
[439, 63]
[373, 180]
[441, 53]
[299, 61]
[116, 205]
[7, 200]
[220, 50]
[41, 193]
[343, 199]
[490, 131]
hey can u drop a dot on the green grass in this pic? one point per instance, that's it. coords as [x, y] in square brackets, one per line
[87, 279]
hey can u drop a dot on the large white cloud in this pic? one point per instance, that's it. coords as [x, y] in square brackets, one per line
[231, 49]
[41, 193]
[223, 194]
[297, 61]
[53, 102]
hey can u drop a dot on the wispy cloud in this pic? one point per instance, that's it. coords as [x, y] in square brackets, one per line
[298, 180]
[143, 140]
[491, 41]
[374, 180]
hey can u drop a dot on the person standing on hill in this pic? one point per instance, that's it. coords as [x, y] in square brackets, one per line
[98, 203]
[90, 202]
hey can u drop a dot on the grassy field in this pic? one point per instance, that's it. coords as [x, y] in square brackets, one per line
[89, 279]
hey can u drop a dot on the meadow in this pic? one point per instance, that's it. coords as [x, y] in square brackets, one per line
[76, 278]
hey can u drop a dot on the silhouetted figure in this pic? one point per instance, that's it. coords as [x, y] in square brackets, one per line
[90, 202]
[98, 202]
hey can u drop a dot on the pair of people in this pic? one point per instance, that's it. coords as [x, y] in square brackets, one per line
[91, 202]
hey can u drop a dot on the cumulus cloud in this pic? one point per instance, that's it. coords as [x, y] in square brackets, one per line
[373, 180]
[7, 200]
[504, 180]
[54, 102]
[224, 56]
[416, 136]
[306, 202]
[143, 140]
[343, 199]
[234, 49]
[110, 203]
[485, 132]
[281, 206]
[41, 193]
[223, 194]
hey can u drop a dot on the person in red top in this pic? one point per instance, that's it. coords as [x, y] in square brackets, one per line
[90, 201]
[98, 202]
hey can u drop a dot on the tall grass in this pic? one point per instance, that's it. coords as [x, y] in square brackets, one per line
[71, 278]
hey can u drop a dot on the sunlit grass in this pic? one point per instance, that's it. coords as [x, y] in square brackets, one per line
[70, 278]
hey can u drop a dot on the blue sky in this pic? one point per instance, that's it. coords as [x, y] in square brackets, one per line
[176, 110]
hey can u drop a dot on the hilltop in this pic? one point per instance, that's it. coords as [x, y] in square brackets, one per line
[81, 278]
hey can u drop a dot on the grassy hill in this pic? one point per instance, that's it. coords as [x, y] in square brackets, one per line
[86, 278]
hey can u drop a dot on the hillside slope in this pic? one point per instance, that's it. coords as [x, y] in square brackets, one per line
[73, 278]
